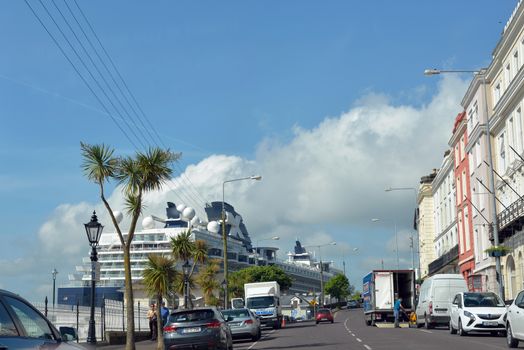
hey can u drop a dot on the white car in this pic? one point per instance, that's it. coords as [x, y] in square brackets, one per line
[515, 321]
[477, 312]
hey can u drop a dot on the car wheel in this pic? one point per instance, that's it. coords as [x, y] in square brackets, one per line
[332, 321]
[316, 322]
[461, 331]
[368, 323]
[512, 342]
[451, 329]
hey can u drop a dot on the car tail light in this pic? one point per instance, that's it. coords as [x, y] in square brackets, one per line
[430, 307]
[248, 322]
[169, 329]
[213, 324]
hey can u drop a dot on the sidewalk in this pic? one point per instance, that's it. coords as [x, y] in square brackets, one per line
[141, 345]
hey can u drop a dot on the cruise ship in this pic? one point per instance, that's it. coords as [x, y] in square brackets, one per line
[155, 237]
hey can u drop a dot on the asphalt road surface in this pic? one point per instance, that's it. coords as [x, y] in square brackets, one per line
[350, 332]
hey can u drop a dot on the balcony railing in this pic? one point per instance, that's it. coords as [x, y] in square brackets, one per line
[510, 219]
[444, 260]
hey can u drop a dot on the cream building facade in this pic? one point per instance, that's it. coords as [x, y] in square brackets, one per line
[426, 224]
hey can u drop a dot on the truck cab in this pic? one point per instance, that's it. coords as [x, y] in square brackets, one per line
[263, 298]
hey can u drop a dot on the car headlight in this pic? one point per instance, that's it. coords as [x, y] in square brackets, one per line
[469, 314]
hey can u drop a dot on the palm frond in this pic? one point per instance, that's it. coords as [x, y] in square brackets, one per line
[182, 247]
[98, 164]
[155, 167]
[159, 274]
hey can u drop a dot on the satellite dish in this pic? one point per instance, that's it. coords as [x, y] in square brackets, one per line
[188, 214]
[118, 216]
[180, 208]
[148, 223]
[213, 227]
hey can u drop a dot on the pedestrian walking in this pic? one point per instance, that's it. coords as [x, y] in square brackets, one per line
[152, 317]
[164, 312]
[396, 310]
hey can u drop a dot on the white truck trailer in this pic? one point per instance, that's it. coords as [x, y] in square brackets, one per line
[263, 298]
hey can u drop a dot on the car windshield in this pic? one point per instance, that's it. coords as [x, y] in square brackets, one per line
[260, 302]
[191, 316]
[241, 313]
[324, 311]
[482, 300]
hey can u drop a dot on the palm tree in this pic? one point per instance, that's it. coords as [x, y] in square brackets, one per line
[144, 173]
[158, 275]
[208, 283]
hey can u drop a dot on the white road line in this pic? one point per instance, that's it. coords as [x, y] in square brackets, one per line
[367, 347]
[264, 336]
[425, 331]
[352, 334]
[359, 340]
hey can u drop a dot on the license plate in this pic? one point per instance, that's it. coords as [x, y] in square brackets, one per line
[236, 324]
[191, 330]
[490, 323]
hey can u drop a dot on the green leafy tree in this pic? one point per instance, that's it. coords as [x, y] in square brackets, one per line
[257, 274]
[338, 287]
[185, 249]
[144, 172]
[158, 276]
[208, 283]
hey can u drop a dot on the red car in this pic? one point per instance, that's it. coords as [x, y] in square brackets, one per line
[324, 315]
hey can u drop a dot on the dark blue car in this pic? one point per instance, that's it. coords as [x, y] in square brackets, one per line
[23, 327]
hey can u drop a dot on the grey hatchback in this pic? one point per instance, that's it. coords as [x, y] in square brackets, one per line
[23, 327]
[197, 329]
[244, 323]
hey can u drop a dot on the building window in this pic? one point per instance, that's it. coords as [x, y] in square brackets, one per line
[502, 153]
[507, 75]
[457, 156]
[466, 228]
[518, 130]
[496, 93]
[462, 149]
[463, 183]
[459, 194]
[516, 62]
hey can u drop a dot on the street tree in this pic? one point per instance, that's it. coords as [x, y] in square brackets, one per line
[257, 274]
[144, 172]
[338, 287]
[208, 283]
[158, 276]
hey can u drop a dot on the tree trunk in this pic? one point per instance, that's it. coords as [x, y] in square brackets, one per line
[160, 323]
[129, 299]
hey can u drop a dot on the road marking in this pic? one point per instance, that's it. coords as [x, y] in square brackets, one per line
[367, 347]
[359, 340]
[352, 334]
[264, 336]
[425, 331]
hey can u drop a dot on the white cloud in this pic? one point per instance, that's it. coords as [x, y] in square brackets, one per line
[324, 185]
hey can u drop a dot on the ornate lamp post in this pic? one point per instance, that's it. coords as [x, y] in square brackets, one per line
[54, 273]
[186, 269]
[224, 236]
[93, 231]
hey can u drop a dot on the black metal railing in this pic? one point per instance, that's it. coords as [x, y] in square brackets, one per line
[510, 219]
[444, 260]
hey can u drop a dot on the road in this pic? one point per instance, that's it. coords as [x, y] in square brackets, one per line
[350, 332]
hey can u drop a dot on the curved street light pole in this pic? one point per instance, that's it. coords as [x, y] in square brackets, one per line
[224, 236]
[494, 222]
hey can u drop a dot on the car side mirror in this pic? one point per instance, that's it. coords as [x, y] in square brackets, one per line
[521, 305]
[68, 333]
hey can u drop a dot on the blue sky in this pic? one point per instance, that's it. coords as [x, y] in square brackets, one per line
[262, 86]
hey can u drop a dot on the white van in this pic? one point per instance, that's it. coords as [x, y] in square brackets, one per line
[434, 301]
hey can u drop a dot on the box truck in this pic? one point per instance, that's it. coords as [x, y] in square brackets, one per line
[378, 292]
[263, 298]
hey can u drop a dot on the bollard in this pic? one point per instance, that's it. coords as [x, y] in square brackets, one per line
[139, 315]
[45, 307]
[77, 317]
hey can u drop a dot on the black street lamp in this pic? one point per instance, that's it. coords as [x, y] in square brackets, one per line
[54, 273]
[94, 231]
[185, 269]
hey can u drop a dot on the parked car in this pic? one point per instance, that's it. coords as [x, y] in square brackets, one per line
[353, 304]
[478, 312]
[436, 295]
[324, 315]
[244, 323]
[22, 326]
[515, 321]
[198, 328]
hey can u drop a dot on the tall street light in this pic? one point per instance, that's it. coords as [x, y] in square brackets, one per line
[321, 268]
[396, 239]
[494, 222]
[93, 231]
[275, 238]
[415, 191]
[54, 273]
[186, 267]
[355, 250]
[224, 236]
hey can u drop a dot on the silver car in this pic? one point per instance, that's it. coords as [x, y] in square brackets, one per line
[243, 323]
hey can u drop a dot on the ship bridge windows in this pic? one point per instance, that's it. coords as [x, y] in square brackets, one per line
[242, 258]
[214, 252]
